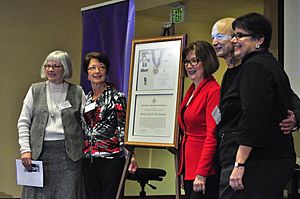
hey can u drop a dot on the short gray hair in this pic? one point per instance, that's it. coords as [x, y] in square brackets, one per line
[63, 58]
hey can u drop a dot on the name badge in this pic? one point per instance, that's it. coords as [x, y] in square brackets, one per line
[216, 115]
[64, 105]
[89, 107]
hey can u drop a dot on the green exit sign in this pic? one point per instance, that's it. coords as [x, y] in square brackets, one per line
[177, 14]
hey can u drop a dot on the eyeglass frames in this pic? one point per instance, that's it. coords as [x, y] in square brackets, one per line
[99, 67]
[54, 67]
[240, 35]
[192, 62]
[220, 36]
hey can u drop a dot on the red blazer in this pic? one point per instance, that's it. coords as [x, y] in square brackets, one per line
[199, 143]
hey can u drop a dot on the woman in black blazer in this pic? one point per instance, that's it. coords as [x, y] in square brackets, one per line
[257, 159]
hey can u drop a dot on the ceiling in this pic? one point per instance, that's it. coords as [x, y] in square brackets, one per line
[198, 10]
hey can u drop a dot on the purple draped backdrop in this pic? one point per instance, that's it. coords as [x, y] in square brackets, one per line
[110, 29]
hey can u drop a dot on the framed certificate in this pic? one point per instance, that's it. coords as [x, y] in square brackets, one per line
[155, 92]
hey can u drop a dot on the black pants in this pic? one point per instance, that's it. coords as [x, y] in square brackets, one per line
[210, 193]
[263, 179]
[102, 177]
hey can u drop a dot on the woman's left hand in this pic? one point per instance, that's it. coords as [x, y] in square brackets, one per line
[199, 183]
[288, 123]
[236, 177]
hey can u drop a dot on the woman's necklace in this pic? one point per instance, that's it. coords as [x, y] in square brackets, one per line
[98, 92]
[53, 106]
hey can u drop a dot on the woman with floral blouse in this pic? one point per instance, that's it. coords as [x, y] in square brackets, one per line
[104, 123]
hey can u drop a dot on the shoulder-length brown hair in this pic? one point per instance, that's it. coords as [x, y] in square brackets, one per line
[205, 53]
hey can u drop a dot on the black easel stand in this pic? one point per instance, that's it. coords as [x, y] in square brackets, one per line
[168, 28]
[144, 175]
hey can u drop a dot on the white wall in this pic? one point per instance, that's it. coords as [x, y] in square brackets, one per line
[292, 42]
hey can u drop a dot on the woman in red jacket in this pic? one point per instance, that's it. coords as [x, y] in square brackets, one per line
[198, 118]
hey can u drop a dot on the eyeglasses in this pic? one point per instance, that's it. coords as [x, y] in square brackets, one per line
[220, 36]
[193, 62]
[54, 67]
[99, 67]
[240, 35]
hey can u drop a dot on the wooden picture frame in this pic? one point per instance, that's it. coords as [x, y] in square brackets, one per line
[154, 92]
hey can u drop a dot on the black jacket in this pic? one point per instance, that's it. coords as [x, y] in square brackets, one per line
[252, 105]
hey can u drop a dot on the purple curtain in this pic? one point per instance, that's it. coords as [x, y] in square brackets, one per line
[110, 29]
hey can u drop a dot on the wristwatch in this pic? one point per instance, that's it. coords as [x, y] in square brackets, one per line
[236, 164]
[295, 129]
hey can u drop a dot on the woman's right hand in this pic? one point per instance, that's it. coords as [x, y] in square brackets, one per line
[181, 181]
[26, 160]
[133, 165]
[199, 184]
